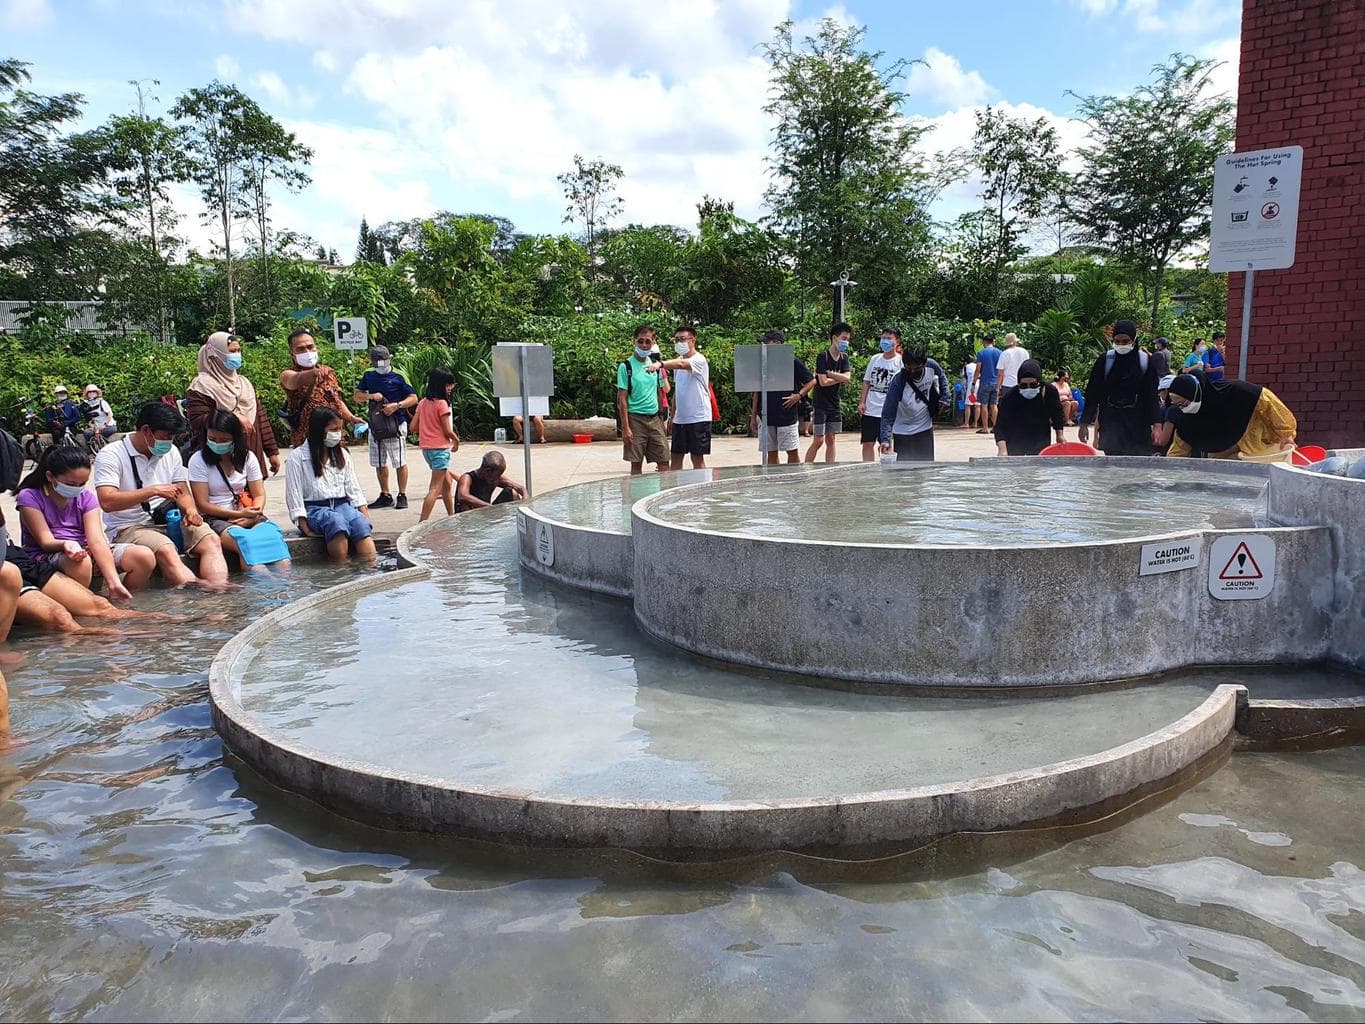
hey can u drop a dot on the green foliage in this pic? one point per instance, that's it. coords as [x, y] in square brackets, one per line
[590, 192]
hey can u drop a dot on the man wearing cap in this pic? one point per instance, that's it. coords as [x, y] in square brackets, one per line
[96, 410]
[389, 397]
[1122, 396]
[62, 415]
[1161, 357]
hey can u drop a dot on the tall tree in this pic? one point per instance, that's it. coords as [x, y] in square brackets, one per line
[216, 118]
[1146, 184]
[271, 157]
[845, 177]
[368, 247]
[590, 191]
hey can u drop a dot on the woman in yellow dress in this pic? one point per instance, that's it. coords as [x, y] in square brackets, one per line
[1229, 419]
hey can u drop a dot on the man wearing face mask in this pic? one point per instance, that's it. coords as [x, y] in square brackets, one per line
[691, 411]
[637, 406]
[912, 399]
[310, 384]
[1122, 394]
[831, 374]
[390, 398]
[1027, 411]
[1229, 419]
[881, 369]
[138, 480]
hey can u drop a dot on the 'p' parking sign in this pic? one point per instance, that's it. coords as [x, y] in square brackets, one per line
[351, 332]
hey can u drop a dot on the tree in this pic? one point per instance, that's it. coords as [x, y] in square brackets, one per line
[271, 156]
[216, 119]
[368, 248]
[1146, 184]
[845, 176]
[1017, 160]
[590, 190]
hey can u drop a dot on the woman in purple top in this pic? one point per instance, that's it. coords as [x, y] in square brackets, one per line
[63, 529]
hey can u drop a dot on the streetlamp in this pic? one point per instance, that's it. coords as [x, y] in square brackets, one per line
[840, 286]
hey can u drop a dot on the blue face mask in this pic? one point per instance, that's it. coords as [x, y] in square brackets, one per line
[220, 447]
[1030, 392]
[642, 353]
[66, 490]
[233, 360]
[843, 344]
[887, 344]
[160, 448]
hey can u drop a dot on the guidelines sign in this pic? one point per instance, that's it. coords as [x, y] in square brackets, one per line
[1170, 556]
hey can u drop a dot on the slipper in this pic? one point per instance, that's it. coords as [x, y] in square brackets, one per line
[983, 430]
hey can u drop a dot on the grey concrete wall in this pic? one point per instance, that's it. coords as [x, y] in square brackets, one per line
[1337, 503]
[964, 617]
[595, 560]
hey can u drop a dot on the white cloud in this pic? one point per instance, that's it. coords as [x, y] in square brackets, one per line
[20, 14]
[272, 85]
[1228, 52]
[226, 67]
[324, 61]
[1190, 19]
[940, 79]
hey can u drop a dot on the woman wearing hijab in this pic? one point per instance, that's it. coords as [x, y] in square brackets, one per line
[1121, 394]
[1027, 412]
[1228, 419]
[221, 386]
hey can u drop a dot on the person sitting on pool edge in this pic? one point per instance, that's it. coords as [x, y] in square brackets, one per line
[1026, 412]
[476, 487]
[1229, 419]
[322, 492]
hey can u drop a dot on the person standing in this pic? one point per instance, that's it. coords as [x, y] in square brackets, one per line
[1122, 396]
[310, 385]
[912, 399]
[1011, 359]
[987, 380]
[1215, 359]
[831, 374]
[1196, 356]
[881, 370]
[780, 433]
[637, 407]
[220, 385]
[438, 440]
[1161, 357]
[390, 398]
[1026, 412]
[691, 427]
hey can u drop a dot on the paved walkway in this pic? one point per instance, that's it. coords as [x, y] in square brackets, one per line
[559, 465]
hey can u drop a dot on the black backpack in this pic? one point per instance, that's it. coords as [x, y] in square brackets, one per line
[11, 462]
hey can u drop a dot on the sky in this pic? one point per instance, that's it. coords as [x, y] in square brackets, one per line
[413, 106]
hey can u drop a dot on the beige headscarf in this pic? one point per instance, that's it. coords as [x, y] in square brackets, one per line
[229, 390]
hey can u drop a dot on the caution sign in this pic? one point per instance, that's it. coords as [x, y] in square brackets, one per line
[545, 544]
[1170, 556]
[1242, 567]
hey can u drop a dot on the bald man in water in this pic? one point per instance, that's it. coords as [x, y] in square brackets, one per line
[477, 486]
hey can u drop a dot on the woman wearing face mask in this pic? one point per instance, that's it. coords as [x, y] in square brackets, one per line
[1026, 413]
[1229, 419]
[322, 492]
[308, 385]
[221, 386]
[1121, 394]
[1196, 356]
[228, 484]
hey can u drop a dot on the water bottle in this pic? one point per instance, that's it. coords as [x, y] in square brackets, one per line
[174, 530]
[500, 434]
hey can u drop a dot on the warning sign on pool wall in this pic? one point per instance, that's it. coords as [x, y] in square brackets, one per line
[1242, 567]
[1170, 556]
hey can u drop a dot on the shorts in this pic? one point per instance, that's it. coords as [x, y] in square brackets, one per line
[650, 444]
[871, 430]
[218, 526]
[691, 439]
[987, 394]
[392, 451]
[332, 520]
[805, 408]
[437, 458]
[154, 538]
[34, 572]
[914, 447]
[779, 439]
[828, 421]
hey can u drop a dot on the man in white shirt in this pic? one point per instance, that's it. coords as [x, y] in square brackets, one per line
[138, 478]
[876, 378]
[1010, 360]
[691, 407]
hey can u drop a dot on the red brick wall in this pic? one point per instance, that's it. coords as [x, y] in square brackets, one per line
[1302, 82]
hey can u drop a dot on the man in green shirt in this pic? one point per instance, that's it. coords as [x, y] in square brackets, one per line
[637, 406]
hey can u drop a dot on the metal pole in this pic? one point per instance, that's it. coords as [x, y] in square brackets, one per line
[1247, 286]
[525, 417]
[838, 302]
[763, 400]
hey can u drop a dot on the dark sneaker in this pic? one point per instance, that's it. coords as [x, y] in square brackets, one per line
[402, 501]
[385, 501]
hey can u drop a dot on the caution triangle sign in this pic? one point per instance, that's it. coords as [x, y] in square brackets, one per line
[1241, 566]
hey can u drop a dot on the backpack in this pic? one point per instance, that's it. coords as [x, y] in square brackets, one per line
[384, 427]
[1110, 356]
[11, 462]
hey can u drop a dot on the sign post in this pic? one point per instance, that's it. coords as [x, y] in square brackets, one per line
[352, 333]
[1255, 220]
[523, 381]
[763, 368]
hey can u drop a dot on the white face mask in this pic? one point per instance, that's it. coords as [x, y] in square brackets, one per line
[332, 438]
[307, 360]
[383, 365]
[680, 347]
[1192, 408]
[1030, 392]
[1123, 350]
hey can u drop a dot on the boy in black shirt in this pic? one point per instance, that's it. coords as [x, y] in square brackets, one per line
[831, 374]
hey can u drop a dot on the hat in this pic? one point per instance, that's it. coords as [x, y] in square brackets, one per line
[1162, 342]
[1030, 368]
[379, 353]
[92, 387]
[1185, 385]
[774, 335]
[60, 389]
[1165, 383]
[1126, 327]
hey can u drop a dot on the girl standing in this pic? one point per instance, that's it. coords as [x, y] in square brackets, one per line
[227, 482]
[438, 439]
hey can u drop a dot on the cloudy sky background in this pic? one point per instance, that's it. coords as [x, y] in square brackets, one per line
[413, 106]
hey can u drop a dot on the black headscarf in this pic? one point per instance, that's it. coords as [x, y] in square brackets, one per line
[1226, 409]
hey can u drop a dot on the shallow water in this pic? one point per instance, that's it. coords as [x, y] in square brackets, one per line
[983, 505]
[142, 877]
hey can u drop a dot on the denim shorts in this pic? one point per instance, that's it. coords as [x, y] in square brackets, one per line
[437, 458]
[338, 519]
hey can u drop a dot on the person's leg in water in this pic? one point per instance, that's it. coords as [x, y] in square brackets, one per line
[230, 546]
[5, 734]
[39, 611]
[11, 582]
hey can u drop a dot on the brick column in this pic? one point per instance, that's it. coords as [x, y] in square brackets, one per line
[1302, 82]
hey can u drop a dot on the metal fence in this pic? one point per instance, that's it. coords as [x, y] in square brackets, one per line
[80, 316]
